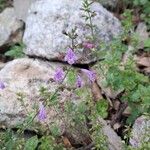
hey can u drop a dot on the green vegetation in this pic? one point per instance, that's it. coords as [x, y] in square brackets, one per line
[124, 76]
[4, 4]
[143, 9]
[119, 72]
[16, 51]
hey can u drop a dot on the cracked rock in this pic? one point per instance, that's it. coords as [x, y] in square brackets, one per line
[10, 27]
[45, 27]
[140, 131]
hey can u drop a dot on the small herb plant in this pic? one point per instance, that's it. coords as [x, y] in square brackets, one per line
[16, 51]
[2, 4]
[83, 118]
[124, 76]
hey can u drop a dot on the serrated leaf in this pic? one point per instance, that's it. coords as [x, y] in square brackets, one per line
[55, 130]
[135, 97]
[147, 43]
[16, 51]
[47, 143]
[71, 77]
[134, 114]
[53, 99]
[31, 143]
[143, 2]
[102, 107]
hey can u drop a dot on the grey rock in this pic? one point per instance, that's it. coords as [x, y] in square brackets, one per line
[48, 19]
[142, 34]
[27, 76]
[21, 8]
[114, 141]
[140, 131]
[10, 27]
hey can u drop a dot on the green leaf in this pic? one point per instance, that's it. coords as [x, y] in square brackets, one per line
[31, 143]
[146, 101]
[147, 9]
[55, 130]
[143, 2]
[82, 108]
[102, 107]
[10, 144]
[69, 107]
[9, 140]
[147, 45]
[82, 92]
[16, 51]
[46, 143]
[49, 143]
[53, 100]
[136, 2]
[134, 114]
[135, 97]
[71, 77]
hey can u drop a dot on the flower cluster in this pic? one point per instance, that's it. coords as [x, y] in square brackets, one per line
[59, 75]
[71, 58]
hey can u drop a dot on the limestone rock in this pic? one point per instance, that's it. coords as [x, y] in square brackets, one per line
[45, 27]
[27, 76]
[140, 131]
[21, 8]
[114, 141]
[10, 27]
[142, 33]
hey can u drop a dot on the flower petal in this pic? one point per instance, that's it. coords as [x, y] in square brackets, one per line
[70, 56]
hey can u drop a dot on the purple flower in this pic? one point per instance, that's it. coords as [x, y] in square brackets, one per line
[59, 75]
[88, 45]
[79, 82]
[42, 113]
[70, 56]
[90, 74]
[2, 85]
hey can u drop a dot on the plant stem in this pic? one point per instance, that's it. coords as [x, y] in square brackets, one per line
[91, 26]
[56, 91]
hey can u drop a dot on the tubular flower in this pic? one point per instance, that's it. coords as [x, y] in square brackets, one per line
[70, 56]
[2, 85]
[59, 75]
[90, 74]
[42, 113]
[88, 45]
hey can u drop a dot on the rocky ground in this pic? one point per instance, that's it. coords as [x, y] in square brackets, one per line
[39, 27]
